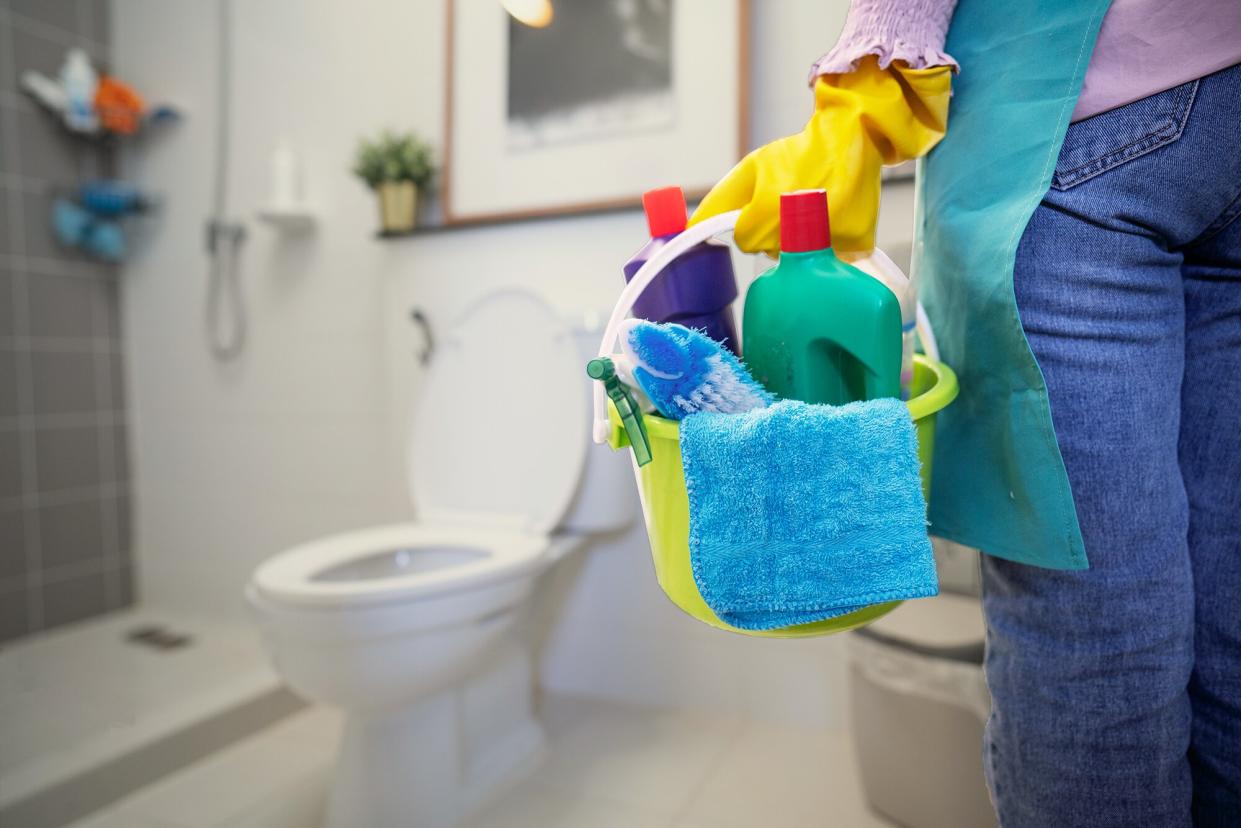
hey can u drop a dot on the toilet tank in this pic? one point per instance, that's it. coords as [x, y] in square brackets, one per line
[607, 497]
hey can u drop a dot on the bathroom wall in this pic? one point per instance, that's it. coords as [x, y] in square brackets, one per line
[64, 495]
[304, 434]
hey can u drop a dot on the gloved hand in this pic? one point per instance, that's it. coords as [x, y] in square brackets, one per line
[863, 119]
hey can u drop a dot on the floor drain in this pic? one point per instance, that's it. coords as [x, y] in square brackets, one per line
[158, 638]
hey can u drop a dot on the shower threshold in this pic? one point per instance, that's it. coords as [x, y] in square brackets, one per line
[95, 710]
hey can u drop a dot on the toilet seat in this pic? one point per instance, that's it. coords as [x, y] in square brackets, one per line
[497, 447]
[304, 575]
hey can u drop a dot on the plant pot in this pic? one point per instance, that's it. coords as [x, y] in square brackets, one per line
[397, 201]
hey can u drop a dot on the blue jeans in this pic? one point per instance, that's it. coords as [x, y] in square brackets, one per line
[1117, 689]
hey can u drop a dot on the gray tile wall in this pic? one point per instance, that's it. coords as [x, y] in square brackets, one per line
[64, 494]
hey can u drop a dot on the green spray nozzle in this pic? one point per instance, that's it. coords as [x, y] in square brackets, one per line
[603, 370]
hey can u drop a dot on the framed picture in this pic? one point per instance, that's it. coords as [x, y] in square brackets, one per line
[607, 100]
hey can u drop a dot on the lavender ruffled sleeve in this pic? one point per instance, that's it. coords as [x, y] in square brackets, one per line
[909, 30]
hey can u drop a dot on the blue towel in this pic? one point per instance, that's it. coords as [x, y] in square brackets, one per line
[804, 512]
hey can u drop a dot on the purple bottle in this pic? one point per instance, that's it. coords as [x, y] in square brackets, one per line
[697, 290]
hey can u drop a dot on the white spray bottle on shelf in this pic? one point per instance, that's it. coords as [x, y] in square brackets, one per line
[80, 81]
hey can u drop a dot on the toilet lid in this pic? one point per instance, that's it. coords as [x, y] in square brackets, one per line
[499, 431]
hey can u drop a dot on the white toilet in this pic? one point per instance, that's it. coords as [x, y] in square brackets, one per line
[411, 628]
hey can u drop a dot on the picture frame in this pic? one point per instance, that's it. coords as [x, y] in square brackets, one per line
[667, 105]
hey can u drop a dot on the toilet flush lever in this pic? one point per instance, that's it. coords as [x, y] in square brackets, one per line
[421, 322]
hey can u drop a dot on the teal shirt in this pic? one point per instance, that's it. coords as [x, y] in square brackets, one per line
[999, 480]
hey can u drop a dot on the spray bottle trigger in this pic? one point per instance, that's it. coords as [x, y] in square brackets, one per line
[603, 370]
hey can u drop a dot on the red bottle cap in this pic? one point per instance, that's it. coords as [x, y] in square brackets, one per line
[803, 221]
[665, 211]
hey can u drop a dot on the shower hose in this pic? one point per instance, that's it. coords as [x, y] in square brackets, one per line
[225, 308]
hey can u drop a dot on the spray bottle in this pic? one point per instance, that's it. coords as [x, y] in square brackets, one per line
[80, 81]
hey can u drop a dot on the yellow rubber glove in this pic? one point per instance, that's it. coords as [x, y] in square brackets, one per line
[863, 119]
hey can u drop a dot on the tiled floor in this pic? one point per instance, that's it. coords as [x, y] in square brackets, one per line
[79, 697]
[609, 765]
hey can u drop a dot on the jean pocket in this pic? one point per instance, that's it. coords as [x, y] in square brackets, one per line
[1109, 139]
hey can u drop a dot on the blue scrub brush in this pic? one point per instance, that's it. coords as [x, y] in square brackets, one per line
[684, 372]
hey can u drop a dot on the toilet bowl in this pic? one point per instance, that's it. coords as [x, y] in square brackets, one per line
[411, 628]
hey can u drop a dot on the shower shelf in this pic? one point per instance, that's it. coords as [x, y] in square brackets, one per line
[154, 119]
[293, 219]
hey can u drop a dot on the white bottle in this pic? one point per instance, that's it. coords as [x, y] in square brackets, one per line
[286, 178]
[877, 265]
[80, 80]
[47, 91]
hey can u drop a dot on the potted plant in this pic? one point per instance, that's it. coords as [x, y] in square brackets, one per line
[395, 166]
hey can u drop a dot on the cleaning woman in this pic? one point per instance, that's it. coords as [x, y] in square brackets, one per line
[1081, 258]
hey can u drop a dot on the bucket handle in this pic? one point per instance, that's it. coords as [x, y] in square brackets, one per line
[691, 236]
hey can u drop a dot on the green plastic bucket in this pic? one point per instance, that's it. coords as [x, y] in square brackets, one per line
[665, 504]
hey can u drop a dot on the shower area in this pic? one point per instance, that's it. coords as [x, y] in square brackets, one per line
[142, 469]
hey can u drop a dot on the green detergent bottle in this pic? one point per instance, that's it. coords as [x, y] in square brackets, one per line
[817, 329]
